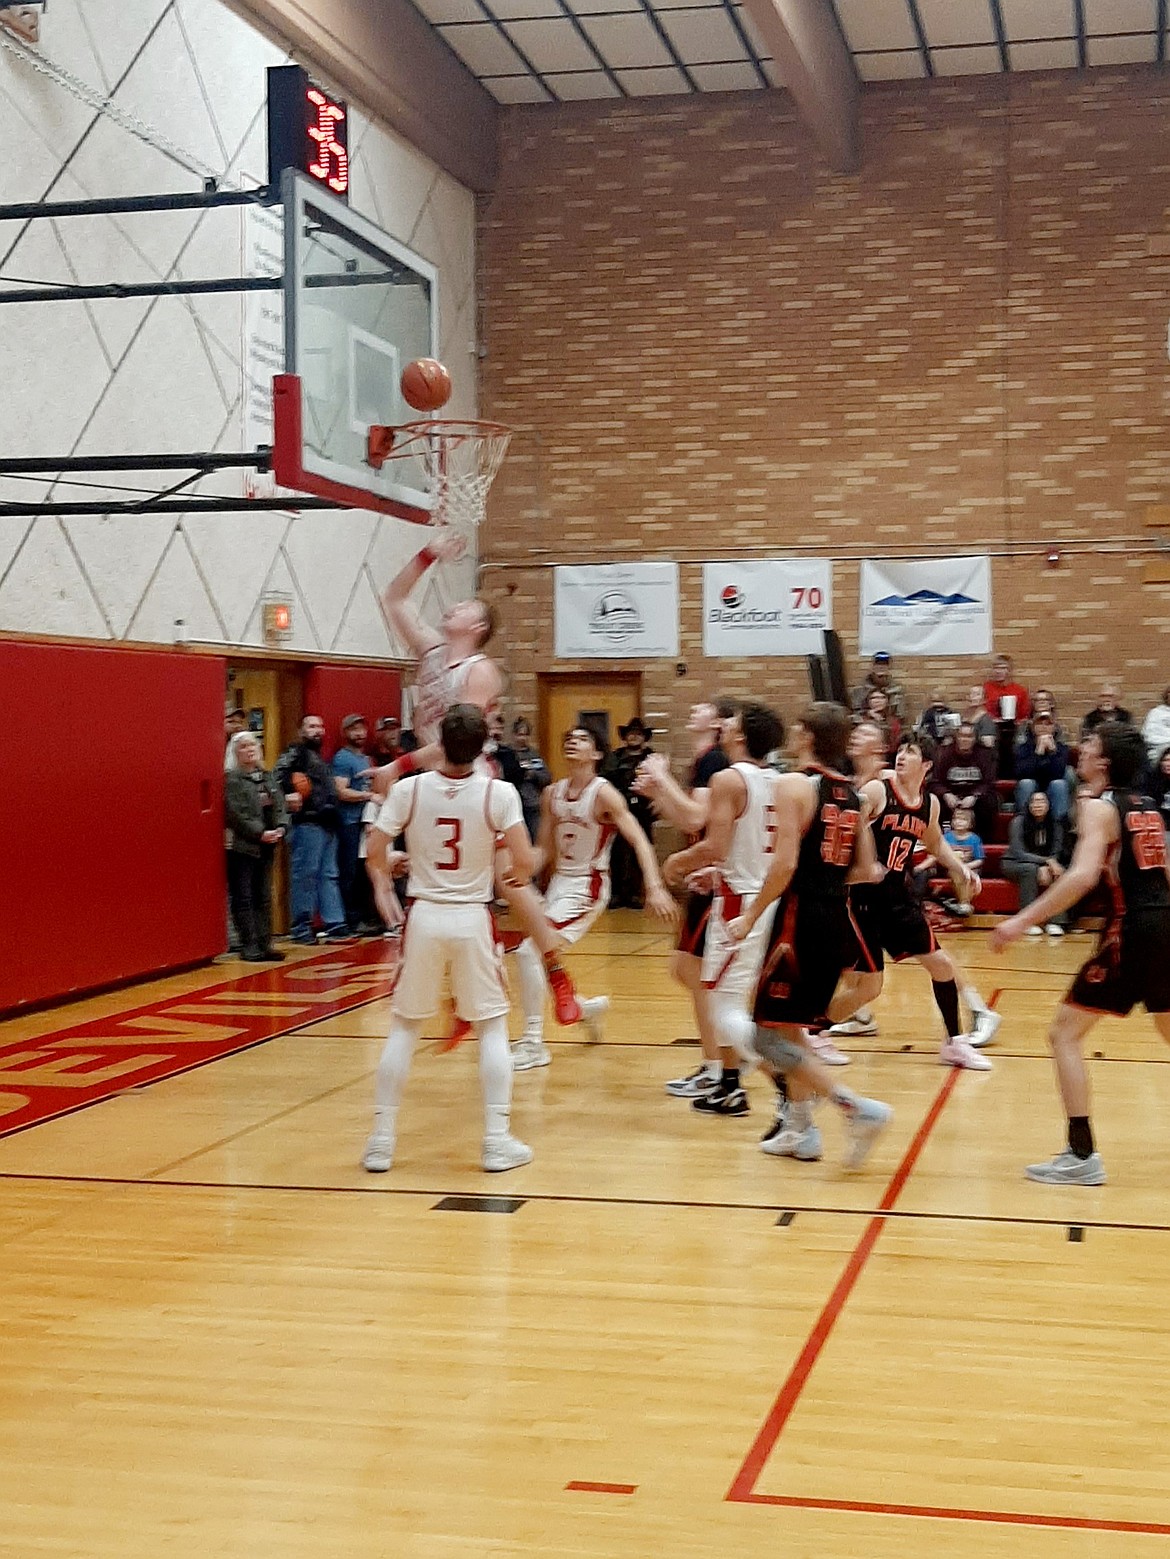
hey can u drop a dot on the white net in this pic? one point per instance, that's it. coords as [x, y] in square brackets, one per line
[457, 463]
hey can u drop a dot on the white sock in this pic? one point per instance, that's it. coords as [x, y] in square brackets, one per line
[973, 999]
[844, 1098]
[798, 1116]
[533, 985]
[393, 1070]
[495, 1076]
[713, 1069]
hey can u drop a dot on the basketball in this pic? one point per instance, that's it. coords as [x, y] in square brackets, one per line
[426, 384]
[302, 784]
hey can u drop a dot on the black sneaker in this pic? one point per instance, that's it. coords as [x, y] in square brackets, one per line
[723, 1101]
[775, 1128]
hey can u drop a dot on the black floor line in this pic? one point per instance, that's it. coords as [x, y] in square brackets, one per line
[382, 1189]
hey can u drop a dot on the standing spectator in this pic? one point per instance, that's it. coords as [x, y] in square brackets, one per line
[387, 741]
[1107, 709]
[234, 721]
[964, 776]
[621, 770]
[1156, 727]
[1032, 858]
[311, 797]
[535, 776]
[1007, 702]
[498, 751]
[1158, 789]
[974, 713]
[351, 776]
[876, 710]
[938, 720]
[881, 675]
[1040, 765]
[256, 818]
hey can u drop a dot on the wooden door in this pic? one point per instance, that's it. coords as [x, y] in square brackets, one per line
[603, 702]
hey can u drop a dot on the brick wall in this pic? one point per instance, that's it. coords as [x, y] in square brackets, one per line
[710, 345]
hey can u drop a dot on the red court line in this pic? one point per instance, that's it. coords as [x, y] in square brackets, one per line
[945, 1513]
[762, 1446]
[580, 1487]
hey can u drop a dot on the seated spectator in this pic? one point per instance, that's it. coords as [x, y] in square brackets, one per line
[536, 777]
[968, 846]
[1044, 703]
[964, 776]
[1032, 859]
[257, 820]
[1107, 709]
[1156, 728]
[974, 713]
[876, 710]
[1041, 764]
[881, 676]
[938, 720]
[1007, 702]
[1158, 788]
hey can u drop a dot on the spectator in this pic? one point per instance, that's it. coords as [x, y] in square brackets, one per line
[1107, 709]
[256, 819]
[387, 741]
[234, 721]
[1158, 789]
[1032, 859]
[1006, 701]
[876, 710]
[1044, 703]
[974, 713]
[968, 846]
[1156, 728]
[497, 749]
[938, 720]
[880, 675]
[620, 771]
[407, 740]
[351, 776]
[964, 776]
[535, 776]
[1040, 765]
[311, 797]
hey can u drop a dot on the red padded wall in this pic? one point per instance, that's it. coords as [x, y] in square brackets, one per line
[113, 802]
[336, 691]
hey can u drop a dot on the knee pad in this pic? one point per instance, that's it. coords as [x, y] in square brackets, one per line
[778, 1050]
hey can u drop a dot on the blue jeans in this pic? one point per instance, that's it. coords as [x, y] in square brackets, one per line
[313, 862]
[1057, 793]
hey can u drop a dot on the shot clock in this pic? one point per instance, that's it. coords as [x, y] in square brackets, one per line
[308, 129]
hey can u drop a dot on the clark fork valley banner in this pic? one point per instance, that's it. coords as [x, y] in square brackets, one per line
[616, 611]
[939, 606]
[773, 606]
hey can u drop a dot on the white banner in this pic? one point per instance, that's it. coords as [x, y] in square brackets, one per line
[774, 606]
[939, 606]
[616, 611]
[263, 335]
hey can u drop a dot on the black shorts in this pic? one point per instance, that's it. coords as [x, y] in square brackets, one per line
[1131, 965]
[812, 943]
[693, 936]
[893, 923]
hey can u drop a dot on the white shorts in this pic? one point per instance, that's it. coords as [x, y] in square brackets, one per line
[572, 904]
[729, 967]
[458, 937]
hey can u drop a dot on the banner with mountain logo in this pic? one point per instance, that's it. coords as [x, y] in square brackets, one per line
[935, 606]
[616, 611]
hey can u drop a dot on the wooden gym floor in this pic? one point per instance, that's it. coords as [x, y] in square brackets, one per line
[223, 1338]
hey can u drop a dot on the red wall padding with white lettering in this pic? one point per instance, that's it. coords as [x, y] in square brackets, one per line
[112, 816]
[336, 691]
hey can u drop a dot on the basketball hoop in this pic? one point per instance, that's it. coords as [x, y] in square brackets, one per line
[457, 462]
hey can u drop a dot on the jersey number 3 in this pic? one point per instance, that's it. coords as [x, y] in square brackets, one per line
[451, 859]
[840, 830]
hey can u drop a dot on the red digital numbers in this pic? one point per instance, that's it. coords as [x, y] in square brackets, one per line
[1149, 840]
[452, 859]
[811, 599]
[331, 164]
[840, 833]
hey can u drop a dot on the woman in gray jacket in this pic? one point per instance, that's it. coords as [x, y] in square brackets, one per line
[1031, 859]
[257, 820]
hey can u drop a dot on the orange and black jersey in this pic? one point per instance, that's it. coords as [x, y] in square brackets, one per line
[828, 848]
[899, 829]
[1137, 864]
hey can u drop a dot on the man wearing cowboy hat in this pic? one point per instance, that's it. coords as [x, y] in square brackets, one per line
[620, 771]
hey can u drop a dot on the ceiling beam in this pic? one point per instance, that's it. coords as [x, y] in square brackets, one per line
[813, 61]
[386, 55]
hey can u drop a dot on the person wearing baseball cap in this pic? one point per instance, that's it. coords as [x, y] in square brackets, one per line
[881, 675]
[350, 764]
[620, 771]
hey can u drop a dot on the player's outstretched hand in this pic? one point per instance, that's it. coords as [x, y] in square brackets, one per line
[650, 774]
[448, 545]
[660, 904]
[705, 880]
[738, 928]
[1007, 932]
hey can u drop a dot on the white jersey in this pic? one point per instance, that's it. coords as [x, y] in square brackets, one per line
[438, 685]
[752, 838]
[451, 826]
[582, 843]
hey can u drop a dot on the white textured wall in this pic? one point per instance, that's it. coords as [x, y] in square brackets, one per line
[167, 374]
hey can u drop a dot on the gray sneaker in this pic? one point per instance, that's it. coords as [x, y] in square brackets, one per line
[529, 1052]
[504, 1153]
[866, 1121]
[1067, 1169]
[789, 1143]
[379, 1154]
